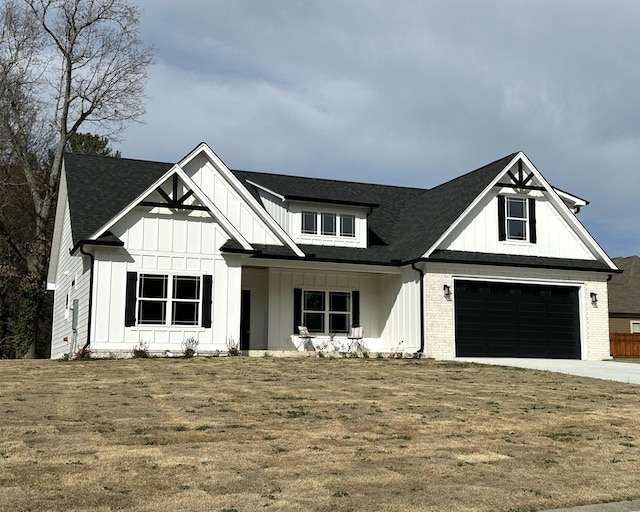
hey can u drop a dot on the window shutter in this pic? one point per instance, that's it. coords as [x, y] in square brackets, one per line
[130, 307]
[355, 308]
[207, 289]
[502, 224]
[533, 237]
[297, 308]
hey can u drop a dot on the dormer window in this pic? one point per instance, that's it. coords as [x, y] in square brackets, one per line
[329, 223]
[310, 223]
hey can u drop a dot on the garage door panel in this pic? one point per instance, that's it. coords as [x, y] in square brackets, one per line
[516, 320]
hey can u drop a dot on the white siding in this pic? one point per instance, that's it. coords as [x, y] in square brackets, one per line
[229, 202]
[556, 238]
[276, 208]
[440, 329]
[171, 243]
[295, 223]
[385, 318]
[72, 278]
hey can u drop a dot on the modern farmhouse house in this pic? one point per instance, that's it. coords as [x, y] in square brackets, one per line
[492, 263]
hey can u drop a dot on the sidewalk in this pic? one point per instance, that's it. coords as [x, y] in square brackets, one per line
[628, 373]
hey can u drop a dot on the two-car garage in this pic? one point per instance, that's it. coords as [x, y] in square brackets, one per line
[498, 319]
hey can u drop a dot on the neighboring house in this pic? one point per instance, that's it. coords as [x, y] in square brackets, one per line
[624, 297]
[492, 263]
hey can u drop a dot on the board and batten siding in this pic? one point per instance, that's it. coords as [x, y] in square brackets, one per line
[440, 326]
[555, 238]
[229, 201]
[72, 279]
[161, 242]
[386, 319]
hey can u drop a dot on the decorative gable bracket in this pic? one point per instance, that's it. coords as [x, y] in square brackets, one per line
[520, 181]
[175, 202]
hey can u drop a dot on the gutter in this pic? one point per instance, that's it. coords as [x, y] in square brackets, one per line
[93, 259]
[421, 272]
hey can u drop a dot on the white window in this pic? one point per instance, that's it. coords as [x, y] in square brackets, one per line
[516, 218]
[326, 312]
[165, 301]
[310, 223]
[347, 225]
[330, 224]
[635, 327]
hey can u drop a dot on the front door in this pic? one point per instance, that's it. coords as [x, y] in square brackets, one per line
[245, 315]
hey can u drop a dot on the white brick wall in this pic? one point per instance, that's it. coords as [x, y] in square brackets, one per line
[440, 336]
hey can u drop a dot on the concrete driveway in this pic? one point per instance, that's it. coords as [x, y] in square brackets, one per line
[607, 370]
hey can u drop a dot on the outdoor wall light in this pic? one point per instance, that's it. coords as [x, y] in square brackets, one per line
[447, 291]
[594, 298]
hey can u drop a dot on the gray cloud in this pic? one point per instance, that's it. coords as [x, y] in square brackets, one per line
[409, 92]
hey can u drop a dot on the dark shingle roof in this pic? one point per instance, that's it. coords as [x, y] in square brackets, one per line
[624, 289]
[403, 222]
[387, 202]
[101, 187]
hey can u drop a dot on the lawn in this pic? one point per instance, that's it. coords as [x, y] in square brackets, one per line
[245, 434]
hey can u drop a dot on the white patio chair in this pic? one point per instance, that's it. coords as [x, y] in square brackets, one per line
[306, 339]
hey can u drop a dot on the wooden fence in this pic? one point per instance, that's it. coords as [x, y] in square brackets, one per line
[624, 345]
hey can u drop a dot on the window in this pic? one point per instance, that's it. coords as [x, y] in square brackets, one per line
[517, 219]
[156, 299]
[310, 223]
[347, 225]
[635, 327]
[322, 309]
[329, 223]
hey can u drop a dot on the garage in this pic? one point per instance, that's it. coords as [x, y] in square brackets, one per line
[516, 320]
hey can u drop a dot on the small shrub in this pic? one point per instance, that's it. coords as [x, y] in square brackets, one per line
[190, 347]
[233, 347]
[83, 353]
[141, 350]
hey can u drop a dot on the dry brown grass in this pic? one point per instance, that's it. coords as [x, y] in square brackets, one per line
[310, 434]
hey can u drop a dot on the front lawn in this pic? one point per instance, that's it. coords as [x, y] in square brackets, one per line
[312, 434]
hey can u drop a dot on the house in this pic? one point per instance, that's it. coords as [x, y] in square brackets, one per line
[492, 263]
[624, 297]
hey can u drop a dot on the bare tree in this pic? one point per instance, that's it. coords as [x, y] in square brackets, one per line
[63, 64]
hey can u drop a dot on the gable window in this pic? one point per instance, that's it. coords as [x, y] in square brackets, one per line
[161, 299]
[635, 327]
[325, 311]
[517, 219]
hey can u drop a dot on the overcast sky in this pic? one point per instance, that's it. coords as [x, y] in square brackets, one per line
[412, 92]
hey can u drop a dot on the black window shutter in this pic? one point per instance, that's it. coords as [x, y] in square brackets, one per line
[207, 289]
[502, 224]
[533, 237]
[297, 308]
[355, 308]
[130, 307]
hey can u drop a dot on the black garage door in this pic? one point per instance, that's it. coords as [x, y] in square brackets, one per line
[516, 320]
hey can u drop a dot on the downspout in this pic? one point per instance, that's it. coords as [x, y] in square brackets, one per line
[413, 266]
[93, 259]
